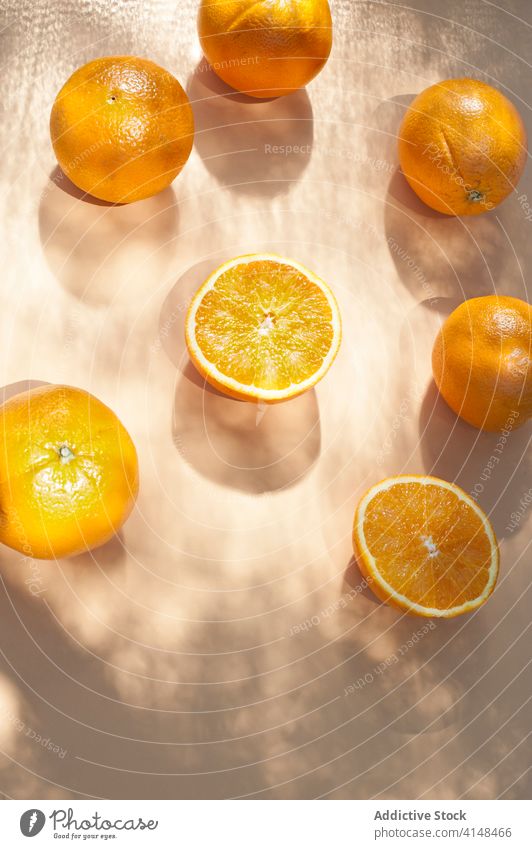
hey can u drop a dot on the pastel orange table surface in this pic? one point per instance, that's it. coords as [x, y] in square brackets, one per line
[225, 644]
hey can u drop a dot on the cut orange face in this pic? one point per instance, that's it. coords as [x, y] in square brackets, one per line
[425, 546]
[263, 328]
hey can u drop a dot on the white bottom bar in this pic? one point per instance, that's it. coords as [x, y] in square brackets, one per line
[266, 824]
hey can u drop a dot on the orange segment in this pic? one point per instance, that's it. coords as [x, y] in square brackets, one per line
[263, 327]
[425, 546]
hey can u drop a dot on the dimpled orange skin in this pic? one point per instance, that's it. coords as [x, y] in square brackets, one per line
[121, 128]
[462, 147]
[482, 362]
[68, 472]
[267, 48]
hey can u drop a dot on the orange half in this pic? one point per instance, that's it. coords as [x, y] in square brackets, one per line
[425, 546]
[263, 328]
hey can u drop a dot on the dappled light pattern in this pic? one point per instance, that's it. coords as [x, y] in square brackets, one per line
[225, 644]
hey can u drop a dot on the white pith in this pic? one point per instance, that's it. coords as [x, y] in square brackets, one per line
[430, 545]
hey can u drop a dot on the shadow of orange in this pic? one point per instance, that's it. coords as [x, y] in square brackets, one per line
[253, 447]
[258, 147]
[455, 451]
[440, 256]
[103, 253]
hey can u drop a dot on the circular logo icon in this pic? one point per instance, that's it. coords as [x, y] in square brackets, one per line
[32, 822]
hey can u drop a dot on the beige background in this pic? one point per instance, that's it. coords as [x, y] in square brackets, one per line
[168, 664]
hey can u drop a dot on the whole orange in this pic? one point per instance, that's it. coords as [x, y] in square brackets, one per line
[462, 146]
[68, 472]
[482, 362]
[122, 128]
[266, 48]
